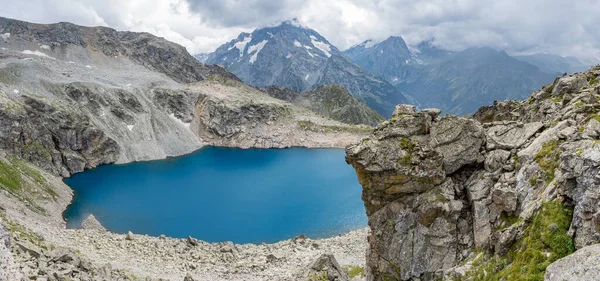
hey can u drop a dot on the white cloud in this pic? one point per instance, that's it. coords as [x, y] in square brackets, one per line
[517, 26]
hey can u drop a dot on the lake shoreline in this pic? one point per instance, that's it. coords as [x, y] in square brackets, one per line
[281, 260]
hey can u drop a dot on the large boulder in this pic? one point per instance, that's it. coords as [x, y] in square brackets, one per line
[326, 268]
[90, 222]
[583, 265]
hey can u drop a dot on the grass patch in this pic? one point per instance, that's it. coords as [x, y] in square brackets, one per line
[595, 116]
[515, 161]
[543, 242]
[23, 233]
[311, 126]
[533, 180]
[318, 277]
[593, 81]
[507, 220]
[10, 178]
[355, 271]
[548, 158]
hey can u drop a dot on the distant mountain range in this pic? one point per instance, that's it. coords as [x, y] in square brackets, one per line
[299, 58]
[389, 72]
[456, 82]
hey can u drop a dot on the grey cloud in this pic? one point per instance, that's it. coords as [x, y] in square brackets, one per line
[516, 26]
[228, 13]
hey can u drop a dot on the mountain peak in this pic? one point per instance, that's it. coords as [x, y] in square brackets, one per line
[294, 56]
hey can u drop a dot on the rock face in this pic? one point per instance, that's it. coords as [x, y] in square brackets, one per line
[435, 190]
[150, 51]
[583, 265]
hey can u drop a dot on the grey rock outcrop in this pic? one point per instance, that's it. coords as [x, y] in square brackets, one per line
[435, 190]
[326, 268]
[90, 222]
[459, 141]
[583, 265]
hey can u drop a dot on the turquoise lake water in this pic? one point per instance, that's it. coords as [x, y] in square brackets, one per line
[225, 194]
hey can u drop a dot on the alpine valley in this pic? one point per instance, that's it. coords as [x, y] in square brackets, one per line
[509, 190]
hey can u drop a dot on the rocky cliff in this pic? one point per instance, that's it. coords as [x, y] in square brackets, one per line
[497, 197]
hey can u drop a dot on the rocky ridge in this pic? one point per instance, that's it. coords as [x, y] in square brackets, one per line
[498, 196]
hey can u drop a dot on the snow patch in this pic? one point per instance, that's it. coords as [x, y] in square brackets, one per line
[322, 46]
[130, 127]
[37, 53]
[5, 36]
[288, 56]
[307, 47]
[242, 45]
[381, 51]
[306, 77]
[256, 49]
[45, 47]
[88, 66]
[187, 125]
[310, 54]
[16, 91]
[270, 34]
[297, 44]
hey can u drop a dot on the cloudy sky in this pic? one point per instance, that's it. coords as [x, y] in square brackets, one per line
[517, 26]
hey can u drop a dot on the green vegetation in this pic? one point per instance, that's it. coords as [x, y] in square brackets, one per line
[548, 158]
[579, 152]
[579, 104]
[593, 81]
[515, 161]
[595, 116]
[544, 241]
[558, 99]
[23, 233]
[318, 277]
[24, 182]
[533, 180]
[507, 220]
[311, 126]
[10, 178]
[408, 146]
[355, 271]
